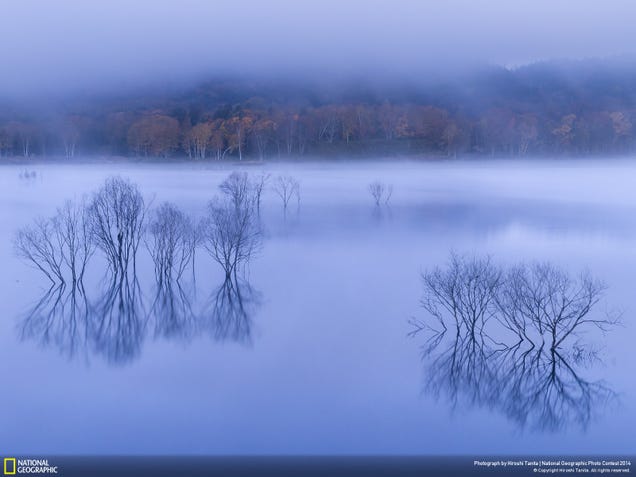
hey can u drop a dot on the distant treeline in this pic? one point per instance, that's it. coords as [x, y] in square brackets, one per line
[567, 108]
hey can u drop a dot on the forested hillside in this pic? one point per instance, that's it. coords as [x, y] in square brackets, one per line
[553, 108]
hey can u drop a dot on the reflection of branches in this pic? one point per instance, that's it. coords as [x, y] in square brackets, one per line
[60, 319]
[535, 387]
[172, 310]
[516, 363]
[117, 319]
[463, 366]
[551, 394]
[116, 219]
[230, 314]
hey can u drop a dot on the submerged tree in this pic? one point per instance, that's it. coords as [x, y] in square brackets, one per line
[59, 245]
[259, 186]
[510, 350]
[72, 226]
[172, 242]
[238, 188]
[536, 302]
[380, 192]
[231, 233]
[241, 189]
[463, 292]
[37, 244]
[287, 187]
[376, 189]
[116, 217]
[558, 304]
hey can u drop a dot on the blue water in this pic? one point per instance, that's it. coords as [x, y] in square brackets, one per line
[322, 363]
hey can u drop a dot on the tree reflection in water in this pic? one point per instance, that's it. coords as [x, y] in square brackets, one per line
[504, 340]
[172, 241]
[116, 323]
[59, 319]
[229, 315]
[118, 319]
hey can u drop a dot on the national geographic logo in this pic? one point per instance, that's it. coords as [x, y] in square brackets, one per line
[13, 466]
[9, 466]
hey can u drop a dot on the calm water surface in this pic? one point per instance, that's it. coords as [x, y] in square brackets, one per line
[320, 361]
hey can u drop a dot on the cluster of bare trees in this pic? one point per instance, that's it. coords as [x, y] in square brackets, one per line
[114, 222]
[505, 339]
[537, 302]
[380, 192]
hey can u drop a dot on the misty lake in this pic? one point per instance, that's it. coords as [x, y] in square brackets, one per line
[317, 354]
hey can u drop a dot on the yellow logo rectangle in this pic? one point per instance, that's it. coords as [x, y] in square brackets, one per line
[9, 466]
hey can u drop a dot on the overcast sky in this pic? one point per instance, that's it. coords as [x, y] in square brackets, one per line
[55, 45]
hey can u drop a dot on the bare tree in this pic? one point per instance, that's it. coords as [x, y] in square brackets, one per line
[55, 244]
[287, 187]
[238, 188]
[231, 233]
[389, 194]
[172, 242]
[549, 301]
[464, 292]
[72, 226]
[39, 245]
[259, 186]
[376, 189]
[380, 192]
[116, 216]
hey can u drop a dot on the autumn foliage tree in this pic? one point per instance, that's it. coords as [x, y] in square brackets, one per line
[154, 134]
[517, 113]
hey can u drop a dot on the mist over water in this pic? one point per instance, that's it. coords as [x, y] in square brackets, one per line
[315, 357]
[76, 47]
